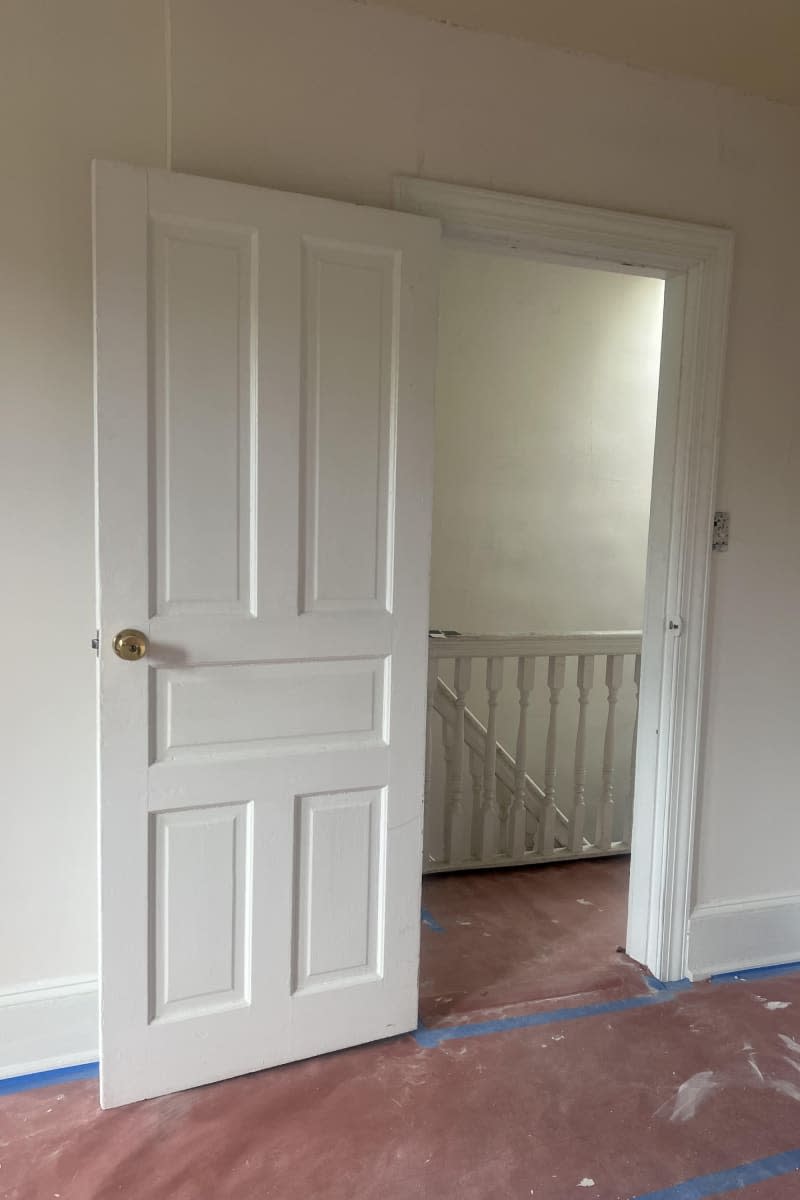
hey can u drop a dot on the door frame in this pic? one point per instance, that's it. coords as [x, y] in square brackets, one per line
[696, 263]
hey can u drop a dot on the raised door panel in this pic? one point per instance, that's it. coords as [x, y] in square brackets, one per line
[200, 910]
[339, 889]
[349, 396]
[261, 708]
[203, 302]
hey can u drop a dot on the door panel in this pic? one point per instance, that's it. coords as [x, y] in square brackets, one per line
[264, 386]
[340, 839]
[350, 305]
[264, 708]
[201, 905]
[204, 407]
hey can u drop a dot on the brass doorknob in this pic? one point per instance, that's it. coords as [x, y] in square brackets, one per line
[130, 644]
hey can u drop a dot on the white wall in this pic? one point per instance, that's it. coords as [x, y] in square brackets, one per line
[545, 419]
[60, 63]
[77, 80]
[330, 97]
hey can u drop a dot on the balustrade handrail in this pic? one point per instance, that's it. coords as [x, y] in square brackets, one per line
[533, 645]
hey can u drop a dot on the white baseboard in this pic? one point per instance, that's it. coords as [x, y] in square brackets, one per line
[742, 935]
[48, 1026]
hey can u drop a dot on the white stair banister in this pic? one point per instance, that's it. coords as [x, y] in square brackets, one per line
[456, 828]
[547, 826]
[637, 675]
[448, 743]
[605, 814]
[490, 811]
[578, 820]
[428, 833]
[476, 772]
[489, 822]
[516, 821]
[475, 737]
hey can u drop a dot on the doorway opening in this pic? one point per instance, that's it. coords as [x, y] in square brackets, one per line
[546, 401]
[694, 263]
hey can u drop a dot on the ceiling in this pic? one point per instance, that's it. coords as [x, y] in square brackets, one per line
[751, 45]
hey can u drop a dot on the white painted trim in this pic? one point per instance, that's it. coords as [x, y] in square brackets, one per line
[761, 932]
[536, 645]
[49, 989]
[696, 262]
[53, 1024]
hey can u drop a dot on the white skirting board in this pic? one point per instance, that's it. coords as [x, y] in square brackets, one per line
[744, 934]
[53, 1025]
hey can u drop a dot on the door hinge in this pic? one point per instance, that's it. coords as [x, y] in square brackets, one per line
[96, 642]
[675, 626]
[721, 531]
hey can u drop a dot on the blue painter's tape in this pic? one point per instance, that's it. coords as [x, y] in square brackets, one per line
[654, 984]
[39, 1079]
[732, 1180]
[430, 920]
[757, 973]
[676, 985]
[447, 1033]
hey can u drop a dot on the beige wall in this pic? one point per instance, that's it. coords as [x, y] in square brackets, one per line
[716, 40]
[330, 97]
[545, 419]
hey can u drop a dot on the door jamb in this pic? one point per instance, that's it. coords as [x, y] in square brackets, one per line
[695, 261]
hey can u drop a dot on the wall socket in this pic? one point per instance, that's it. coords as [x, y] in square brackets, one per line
[722, 525]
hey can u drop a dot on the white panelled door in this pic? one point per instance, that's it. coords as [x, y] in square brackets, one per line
[264, 383]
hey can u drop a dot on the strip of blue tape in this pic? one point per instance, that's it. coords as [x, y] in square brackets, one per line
[659, 994]
[677, 985]
[447, 1033]
[40, 1079]
[430, 920]
[732, 1180]
[757, 973]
